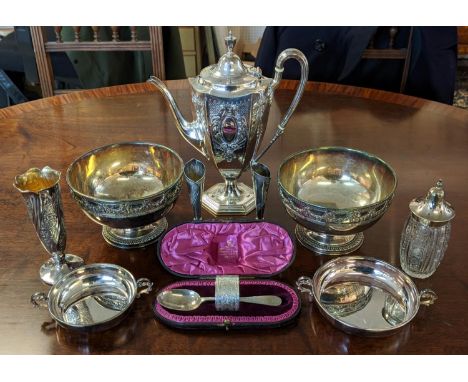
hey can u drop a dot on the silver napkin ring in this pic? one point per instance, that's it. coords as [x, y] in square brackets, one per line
[227, 293]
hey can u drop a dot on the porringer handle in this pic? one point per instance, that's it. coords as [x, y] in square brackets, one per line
[145, 284]
[279, 68]
[427, 297]
[304, 284]
[39, 300]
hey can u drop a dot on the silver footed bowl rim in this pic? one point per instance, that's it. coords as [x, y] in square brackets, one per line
[364, 154]
[177, 180]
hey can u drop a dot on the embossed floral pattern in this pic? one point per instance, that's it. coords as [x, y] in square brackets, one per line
[127, 209]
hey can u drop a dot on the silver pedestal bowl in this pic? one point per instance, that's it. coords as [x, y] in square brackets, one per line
[128, 188]
[335, 193]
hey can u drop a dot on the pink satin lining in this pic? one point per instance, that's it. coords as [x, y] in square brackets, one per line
[192, 248]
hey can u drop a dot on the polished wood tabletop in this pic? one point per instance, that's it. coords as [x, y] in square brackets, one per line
[423, 141]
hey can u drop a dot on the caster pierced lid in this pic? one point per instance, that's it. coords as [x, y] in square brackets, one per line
[433, 209]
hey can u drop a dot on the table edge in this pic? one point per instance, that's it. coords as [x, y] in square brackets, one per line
[321, 87]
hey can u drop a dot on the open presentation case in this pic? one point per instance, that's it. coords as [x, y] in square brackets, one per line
[199, 252]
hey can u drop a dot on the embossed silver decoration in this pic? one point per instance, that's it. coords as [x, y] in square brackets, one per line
[426, 233]
[93, 297]
[229, 125]
[128, 209]
[365, 296]
[227, 293]
[194, 173]
[335, 193]
[41, 192]
[232, 102]
[128, 188]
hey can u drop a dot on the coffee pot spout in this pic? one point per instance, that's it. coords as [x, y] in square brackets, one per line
[193, 132]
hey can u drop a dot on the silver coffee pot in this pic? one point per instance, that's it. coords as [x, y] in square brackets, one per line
[231, 102]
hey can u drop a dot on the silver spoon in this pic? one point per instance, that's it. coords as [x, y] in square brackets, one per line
[186, 299]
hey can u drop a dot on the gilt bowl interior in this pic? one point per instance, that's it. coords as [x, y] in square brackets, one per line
[125, 172]
[337, 178]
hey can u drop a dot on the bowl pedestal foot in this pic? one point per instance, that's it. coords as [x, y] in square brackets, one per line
[324, 244]
[128, 238]
[230, 198]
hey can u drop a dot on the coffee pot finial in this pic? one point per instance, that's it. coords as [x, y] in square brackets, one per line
[230, 41]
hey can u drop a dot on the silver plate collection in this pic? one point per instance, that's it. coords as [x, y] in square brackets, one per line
[332, 193]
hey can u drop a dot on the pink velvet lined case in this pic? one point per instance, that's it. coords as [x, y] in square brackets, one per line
[202, 250]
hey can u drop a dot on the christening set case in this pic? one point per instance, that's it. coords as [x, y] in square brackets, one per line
[246, 254]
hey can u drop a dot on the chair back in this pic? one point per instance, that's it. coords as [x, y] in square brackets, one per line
[391, 53]
[43, 48]
[462, 42]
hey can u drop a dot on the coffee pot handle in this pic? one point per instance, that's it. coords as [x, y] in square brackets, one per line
[279, 68]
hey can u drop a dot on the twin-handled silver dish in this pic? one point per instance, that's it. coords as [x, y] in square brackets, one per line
[366, 296]
[93, 297]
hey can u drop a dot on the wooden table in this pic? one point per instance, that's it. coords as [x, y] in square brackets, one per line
[422, 140]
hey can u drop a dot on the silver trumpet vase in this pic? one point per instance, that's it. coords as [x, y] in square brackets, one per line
[41, 192]
[194, 173]
[261, 181]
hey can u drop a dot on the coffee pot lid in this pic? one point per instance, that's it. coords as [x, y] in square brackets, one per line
[230, 73]
[433, 208]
